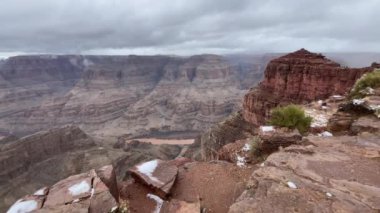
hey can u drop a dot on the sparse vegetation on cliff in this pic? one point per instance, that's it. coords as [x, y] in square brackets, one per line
[292, 117]
[369, 80]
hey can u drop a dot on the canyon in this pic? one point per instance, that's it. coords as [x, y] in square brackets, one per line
[112, 96]
[214, 174]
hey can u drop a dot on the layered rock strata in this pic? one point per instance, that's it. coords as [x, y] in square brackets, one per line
[118, 95]
[298, 77]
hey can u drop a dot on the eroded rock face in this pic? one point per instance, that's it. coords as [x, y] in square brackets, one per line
[334, 174]
[87, 192]
[116, 95]
[298, 77]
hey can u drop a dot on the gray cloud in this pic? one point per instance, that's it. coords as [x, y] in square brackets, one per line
[187, 27]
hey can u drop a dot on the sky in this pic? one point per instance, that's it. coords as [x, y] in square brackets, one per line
[186, 27]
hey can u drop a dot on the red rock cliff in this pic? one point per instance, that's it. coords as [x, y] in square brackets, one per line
[298, 77]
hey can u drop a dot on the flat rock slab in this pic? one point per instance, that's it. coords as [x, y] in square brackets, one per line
[336, 174]
[179, 206]
[92, 191]
[158, 174]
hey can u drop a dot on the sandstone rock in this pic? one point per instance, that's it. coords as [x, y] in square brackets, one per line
[336, 174]
[280, 137]
[232, 152]
[179, 206]
[366, 124]
[298, 77]
[87, 192]
[158, 174]
[232, 129]
[340, 122]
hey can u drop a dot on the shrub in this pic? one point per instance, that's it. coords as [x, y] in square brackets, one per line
[292, 117]
[254, 147]
[371, 79]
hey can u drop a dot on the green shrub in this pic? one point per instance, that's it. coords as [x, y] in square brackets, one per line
[371, 79]
[292, 117]
[254, 146]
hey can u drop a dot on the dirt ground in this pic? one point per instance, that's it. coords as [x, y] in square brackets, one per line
[215, 184]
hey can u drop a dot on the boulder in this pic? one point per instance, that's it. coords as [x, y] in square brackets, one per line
[94, 191]
[340, 122]
[234, 152]
[157, 174]
[366, 124]
[275, 138]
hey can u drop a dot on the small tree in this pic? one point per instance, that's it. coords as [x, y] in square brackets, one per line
[292, 117]
[371, 80]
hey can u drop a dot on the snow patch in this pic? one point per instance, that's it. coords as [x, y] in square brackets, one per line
[267, 128]
[23, 206]
[40, 192]
[79, 188]
[148, 168]
[325, 134]
[291, 185]
[158, 200]
[358, 101]
[246, 147]
[240, 161]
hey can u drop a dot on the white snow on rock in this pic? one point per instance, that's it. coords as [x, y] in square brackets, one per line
[158, 200]
[357, 101]
[240, 161]
[80, 188]
[325, 134]
[40, 192]
[267, 128]
[23, 206]
[291, 185]
[246, 147]
[320, 119]
[148, 168]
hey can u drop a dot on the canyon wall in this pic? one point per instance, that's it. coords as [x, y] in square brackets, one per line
[122, 95]
[298, 77]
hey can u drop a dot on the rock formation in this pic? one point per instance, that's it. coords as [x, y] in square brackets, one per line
[93, 191]
[298, 77]
[46, 157]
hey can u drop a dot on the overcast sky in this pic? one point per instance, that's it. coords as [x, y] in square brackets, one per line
[187, 26]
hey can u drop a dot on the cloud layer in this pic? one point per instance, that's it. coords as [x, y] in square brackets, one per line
[187, 27]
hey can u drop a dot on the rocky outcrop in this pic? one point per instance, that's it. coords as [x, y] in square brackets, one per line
[298, 77]
[94, 191]
[157, 174]
[46, 157]
[118, 95]
[270, 141]
[206, 146]
[334, 174]
[199, 186]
